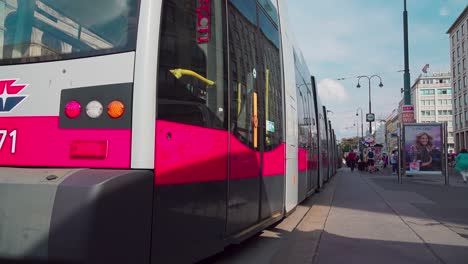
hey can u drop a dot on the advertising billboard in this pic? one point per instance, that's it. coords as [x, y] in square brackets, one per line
[423, 148]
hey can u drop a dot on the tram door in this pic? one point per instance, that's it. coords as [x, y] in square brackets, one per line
[255, 114]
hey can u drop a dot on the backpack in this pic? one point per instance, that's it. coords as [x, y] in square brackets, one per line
[370, 155]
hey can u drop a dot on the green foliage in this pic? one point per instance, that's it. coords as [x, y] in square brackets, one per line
[349, 143]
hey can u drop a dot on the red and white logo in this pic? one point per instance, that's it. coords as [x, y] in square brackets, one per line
[9, 94]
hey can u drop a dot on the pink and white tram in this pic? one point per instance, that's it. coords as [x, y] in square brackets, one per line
[147, 131]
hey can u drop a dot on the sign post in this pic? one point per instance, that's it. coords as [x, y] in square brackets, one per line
[370, 117]
[445, 157]
[400, 153]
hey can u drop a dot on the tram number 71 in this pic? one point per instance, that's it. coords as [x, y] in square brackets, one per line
[3, 136]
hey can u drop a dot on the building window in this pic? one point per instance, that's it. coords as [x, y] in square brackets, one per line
[453, 40]
[444, 112]
[444, 91]
[463, 29]
[464, 81]
[463, 47]
[458, 68]
[427, 91]
[464, 65]
[458, 51]
[459, 84]
[458, 37]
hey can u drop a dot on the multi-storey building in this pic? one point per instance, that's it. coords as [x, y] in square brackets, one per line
[431, 96]
[391, 125]
[458, 52]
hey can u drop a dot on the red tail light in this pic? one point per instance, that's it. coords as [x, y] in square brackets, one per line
[73, 109]
[88, 150]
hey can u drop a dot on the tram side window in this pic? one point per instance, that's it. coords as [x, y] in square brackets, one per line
[269, 41]
[51, 30]
[192, 83]
[243, 61]
[255, 68]
[302, 120]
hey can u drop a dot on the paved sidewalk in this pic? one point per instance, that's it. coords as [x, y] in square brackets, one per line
[373, 219]
[367, 218]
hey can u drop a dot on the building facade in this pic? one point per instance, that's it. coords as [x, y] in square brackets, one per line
[458, 51]
[391, 125]
[431, 96]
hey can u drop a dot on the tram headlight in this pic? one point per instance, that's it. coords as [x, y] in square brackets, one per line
[115, 109]
[94, 109]
[73, 109]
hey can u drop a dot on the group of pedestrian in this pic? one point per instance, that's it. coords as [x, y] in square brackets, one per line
[460, 162]
[364, 162]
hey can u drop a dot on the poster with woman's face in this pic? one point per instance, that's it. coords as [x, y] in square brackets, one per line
[423, 148]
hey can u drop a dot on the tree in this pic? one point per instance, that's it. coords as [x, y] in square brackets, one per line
[349, 143]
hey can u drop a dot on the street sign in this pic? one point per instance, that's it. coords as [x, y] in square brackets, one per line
[407, 114]
[407, 108]
[370, 117]
[369, 140]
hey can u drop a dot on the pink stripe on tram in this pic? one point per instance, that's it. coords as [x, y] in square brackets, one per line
[189, 154]
[274, 162]
[41, 143]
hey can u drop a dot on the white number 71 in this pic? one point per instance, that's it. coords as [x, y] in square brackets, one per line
[3, 134]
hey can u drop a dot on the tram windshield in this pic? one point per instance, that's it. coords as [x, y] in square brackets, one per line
[44, 30]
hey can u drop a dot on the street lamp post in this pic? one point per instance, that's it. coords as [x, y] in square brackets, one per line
[362, 121]
[370, 106]
[362, 128]
[356, 124]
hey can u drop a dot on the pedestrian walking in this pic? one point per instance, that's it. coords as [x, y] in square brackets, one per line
[352, 160]
[385, 160]
[371, 161]
[462, 164]
[394, 161]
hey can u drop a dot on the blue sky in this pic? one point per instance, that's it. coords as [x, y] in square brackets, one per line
[346, 38]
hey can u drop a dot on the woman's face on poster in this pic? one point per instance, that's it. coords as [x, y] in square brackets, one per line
[423, 140]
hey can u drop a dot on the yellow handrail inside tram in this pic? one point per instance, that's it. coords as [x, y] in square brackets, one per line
[255, 121]
[181, 72]
[239, 98]
[267, 84]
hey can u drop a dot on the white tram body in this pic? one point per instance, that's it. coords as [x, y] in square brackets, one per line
[148, 131]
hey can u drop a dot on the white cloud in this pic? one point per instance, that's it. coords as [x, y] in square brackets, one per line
[332, 90]
[444, 11]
